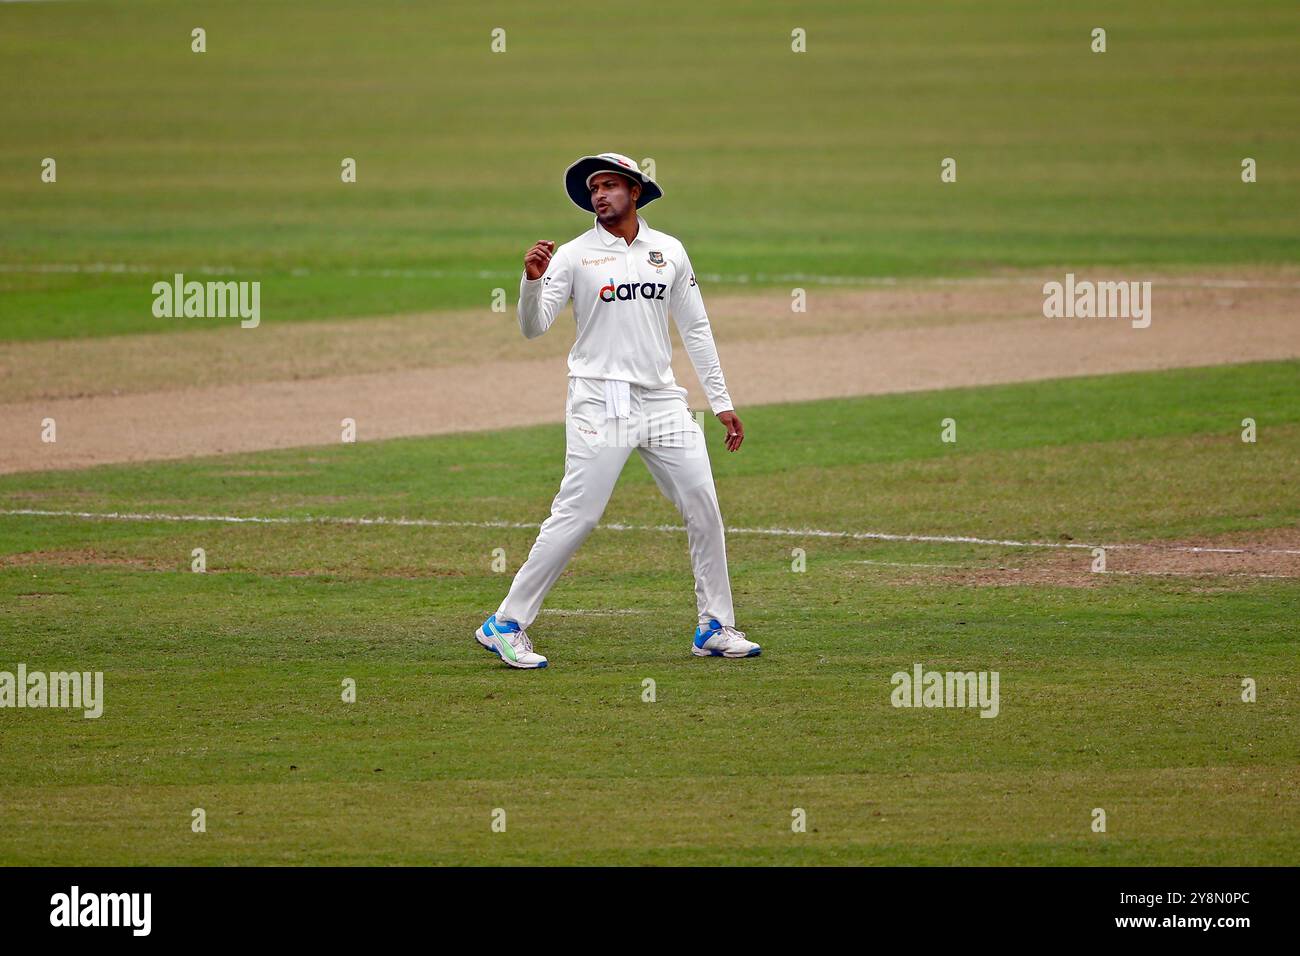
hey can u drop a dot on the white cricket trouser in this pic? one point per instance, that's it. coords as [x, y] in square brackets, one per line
[659, 426]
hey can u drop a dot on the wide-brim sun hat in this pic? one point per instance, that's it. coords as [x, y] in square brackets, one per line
[577, 175]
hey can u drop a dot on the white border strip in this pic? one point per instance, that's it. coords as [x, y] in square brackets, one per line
[524, 525]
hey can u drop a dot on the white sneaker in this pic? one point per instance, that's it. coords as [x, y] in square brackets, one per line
[508, 641]
[722, 640]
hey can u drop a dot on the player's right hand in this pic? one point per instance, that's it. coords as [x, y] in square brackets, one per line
[538, 258]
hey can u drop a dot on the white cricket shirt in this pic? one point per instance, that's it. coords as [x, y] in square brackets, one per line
[622, 295]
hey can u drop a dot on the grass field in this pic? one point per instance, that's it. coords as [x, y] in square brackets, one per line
[820, 164]
[1122, 692]
[373, 562]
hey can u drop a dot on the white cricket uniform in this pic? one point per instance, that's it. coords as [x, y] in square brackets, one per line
[622, 395]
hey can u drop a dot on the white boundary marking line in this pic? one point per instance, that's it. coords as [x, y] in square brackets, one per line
[722, 278]
[524, 525]
[583, 612]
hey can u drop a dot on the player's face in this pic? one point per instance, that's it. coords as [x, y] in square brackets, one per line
[613, 196]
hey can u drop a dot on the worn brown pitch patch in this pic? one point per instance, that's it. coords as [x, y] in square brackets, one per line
[80, 557]
[1221, 560]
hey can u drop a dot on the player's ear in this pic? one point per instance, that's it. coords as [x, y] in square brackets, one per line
[636, 192]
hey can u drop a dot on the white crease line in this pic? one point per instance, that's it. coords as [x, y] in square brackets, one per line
[735, 279]
[777, 532]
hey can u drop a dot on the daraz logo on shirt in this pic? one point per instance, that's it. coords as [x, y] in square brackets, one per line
[628, 291]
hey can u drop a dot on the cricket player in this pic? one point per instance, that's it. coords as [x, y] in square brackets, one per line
[624, 279]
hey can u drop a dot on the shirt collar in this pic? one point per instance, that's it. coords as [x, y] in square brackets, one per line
[608, 238]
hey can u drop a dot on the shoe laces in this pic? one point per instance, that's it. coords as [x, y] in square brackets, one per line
[516, 635]
[730, 632]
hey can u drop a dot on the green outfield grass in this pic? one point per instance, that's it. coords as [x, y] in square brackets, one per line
[223, 689]
[824, 163]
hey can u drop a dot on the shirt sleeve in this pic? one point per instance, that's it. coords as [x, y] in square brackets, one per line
[687, 306]
[541, 299]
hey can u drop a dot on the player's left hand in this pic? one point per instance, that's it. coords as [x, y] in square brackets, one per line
[735, 430]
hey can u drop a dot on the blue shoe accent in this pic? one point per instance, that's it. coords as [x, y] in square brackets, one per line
[494, 627]
[701, 635]
[755, 652]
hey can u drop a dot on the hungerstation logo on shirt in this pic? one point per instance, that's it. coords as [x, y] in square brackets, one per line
[629, 291]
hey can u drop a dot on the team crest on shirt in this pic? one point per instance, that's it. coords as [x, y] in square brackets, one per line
[656, 258]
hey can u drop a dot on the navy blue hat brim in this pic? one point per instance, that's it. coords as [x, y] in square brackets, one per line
[576, 176]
